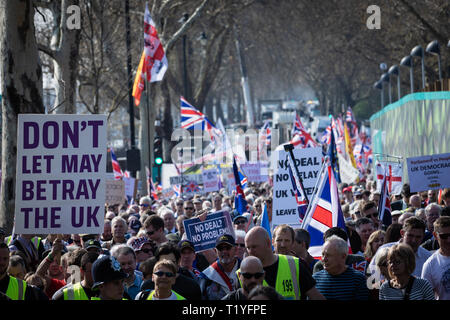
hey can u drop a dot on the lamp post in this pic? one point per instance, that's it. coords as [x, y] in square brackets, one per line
[434, 49]
[394, 70]
[378, 85]
[407, 62]
[417, 51]
[386, 78]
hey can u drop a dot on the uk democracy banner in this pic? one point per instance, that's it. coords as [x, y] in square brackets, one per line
[60, 174]
[429, 172]
[203, 234]
[309, 162]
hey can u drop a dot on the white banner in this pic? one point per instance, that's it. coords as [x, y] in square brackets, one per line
[60, 177]
[348, 173]
[429, 172]
[309, 162]
[130, 186]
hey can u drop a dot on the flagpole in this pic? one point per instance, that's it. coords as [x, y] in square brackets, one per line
[147, 101]
[289, 148]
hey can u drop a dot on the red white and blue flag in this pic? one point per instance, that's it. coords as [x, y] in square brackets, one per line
[324, 210]
[191, 118]
[303, 139]
[240, 204]
[298, 125]
[384, 204]
[118, 174]
[151, 191]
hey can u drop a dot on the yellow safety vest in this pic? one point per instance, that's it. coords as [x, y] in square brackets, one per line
[16, 289]
[150, 296]
[284, 284]
[75, 292]
[36, 241]
[97, 298]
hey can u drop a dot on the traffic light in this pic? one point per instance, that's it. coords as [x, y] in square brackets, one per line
[157, 151]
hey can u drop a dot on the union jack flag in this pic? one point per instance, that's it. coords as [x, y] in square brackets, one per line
[264, 140]
[177, 190]
[192, 118]
[192, 187]
[350, 118]
[384, 204]
[326, 137]
[118, 174]
[324, 210]
[298, 125]
[360, 266]
[303, 139]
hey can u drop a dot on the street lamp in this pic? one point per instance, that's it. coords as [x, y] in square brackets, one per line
[407, 62]
[386, 78]
[417, 51]
[378, 85]
[394, 70]
[434, 48]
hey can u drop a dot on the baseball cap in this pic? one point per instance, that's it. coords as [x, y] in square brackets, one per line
[91, 243]
[396, 213]
[186, 244]
[347, 189]
[226, 238]
[240, 217]
[106, 269]
[135, 224]
[138, 243]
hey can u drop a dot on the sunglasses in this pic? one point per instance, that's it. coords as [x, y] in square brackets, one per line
[150, 233]
[144, 205]
[189, 208]
[146, 250]
[444, 236]
[257, 275]
[240, 222]
[162, 273]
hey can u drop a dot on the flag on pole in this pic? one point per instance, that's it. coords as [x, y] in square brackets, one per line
[298, 125]
[324, 210]
[153, 61]
[332, 154]
[118, 174]
[151, 191]
[192, 118]
[299, 192]
[349, 147]
[265, 223]
[240, 204]
[384, 205]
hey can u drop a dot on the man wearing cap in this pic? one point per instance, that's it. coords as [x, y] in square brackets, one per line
[93, 245]
[220, 278]
[396, 215]
[240, 222]
[81, 290]
[187, 258]
[108, 279]
[197, 202]
[143, 247]
[348, 195]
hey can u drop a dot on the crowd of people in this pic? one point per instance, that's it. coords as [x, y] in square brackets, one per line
[144, 254]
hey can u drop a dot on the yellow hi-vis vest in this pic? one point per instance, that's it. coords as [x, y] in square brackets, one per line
[285, 284]
[75, 292]
[98, 298]
[16, 289]
[36, 241]
[150, 296]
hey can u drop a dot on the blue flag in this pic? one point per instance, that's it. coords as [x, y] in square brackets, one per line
[240, 204]
[265, 223]
[332, 154]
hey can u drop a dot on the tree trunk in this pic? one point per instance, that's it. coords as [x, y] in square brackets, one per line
[21, 88]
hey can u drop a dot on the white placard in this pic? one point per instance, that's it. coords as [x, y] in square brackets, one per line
[309, 162]
[210, 180]
[115, 192]
[60, 174]
[429, 172]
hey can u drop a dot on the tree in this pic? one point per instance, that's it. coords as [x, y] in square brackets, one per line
[21, 88]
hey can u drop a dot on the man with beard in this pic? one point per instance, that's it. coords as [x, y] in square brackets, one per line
[250, 275]
[219, 278]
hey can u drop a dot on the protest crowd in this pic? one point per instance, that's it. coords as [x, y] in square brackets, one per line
[144, 254]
